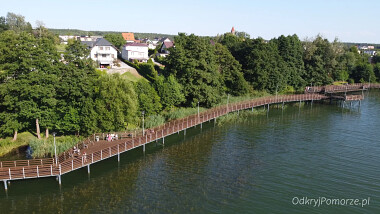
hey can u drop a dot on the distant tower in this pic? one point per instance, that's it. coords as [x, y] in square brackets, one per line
[233, 31]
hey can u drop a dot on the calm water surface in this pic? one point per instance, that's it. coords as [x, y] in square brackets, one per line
[253, 166]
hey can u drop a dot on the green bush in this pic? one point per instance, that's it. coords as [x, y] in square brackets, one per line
[242, 116]
[288, 90]
[182, 112]
[45, 147]
[154, 120]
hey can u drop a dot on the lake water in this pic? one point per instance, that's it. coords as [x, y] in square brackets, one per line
[259, 165]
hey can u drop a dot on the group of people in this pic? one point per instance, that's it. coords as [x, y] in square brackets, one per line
[76, 152]
[149, 131]
[112, 137]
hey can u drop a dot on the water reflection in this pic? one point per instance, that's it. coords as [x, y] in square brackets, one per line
[257, 164]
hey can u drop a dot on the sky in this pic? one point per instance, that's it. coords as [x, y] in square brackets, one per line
[349, 21]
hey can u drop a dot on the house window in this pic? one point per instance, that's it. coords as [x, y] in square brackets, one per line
[100, 48]
[95, 55]
[104, 55]
[107, 48]
[112, 55]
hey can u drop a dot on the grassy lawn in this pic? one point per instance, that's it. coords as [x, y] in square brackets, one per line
[129, 76]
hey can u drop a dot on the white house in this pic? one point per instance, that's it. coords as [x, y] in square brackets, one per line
[166, 43]
[155, 41]
[135, 51]
[102, 52]
[65, 38]
[371, 53]
[151, 45]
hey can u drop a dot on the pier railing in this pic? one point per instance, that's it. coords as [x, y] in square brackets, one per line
[98, 151]
[341, 88]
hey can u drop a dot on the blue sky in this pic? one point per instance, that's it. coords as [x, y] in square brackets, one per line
[350, 21]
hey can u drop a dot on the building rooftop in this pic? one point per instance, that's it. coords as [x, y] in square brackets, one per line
[136, 44]
[128, 36]
[168, 44]
[102, 42]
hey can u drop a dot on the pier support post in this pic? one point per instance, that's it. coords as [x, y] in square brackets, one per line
[163, 141]
[184, 132]
[59, 179]
[283, 105]
[5, 185]
[299, 106]
[252, 109]
[118, 153]
[88, 168]
[144, 148]
[201, 125]
[268, 107]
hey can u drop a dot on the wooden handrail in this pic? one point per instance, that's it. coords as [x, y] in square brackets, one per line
[22, 169]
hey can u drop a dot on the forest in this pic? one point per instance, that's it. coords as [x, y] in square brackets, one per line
[40, 89]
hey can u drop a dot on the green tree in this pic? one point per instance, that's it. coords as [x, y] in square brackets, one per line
[29, 76]
[3, 24]
[77, 54]
[116, 39]
[242, 35]
[149, 101]
[290, 49]
[376, 59]
[116, 103]
[147, 70]
[319, 61]
[76, 85]
[230, 41]
[170, 91]
[376, 69]
[363, 72]
[17, 23]
[193, 63]
[230, 69]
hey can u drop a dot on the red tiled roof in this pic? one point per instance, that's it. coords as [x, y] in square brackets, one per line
[128, 36]
[168, 44]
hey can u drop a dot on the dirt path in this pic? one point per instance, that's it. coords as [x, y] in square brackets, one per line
[124, 68]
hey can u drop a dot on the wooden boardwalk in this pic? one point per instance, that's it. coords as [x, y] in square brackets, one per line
[98, 151]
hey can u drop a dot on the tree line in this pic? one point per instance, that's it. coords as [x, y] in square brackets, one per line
[104, 33]
[42, 89]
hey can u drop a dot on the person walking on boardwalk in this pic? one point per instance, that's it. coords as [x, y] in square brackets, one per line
[85, 157]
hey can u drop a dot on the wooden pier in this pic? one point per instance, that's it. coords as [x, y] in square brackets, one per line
[98, 151]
